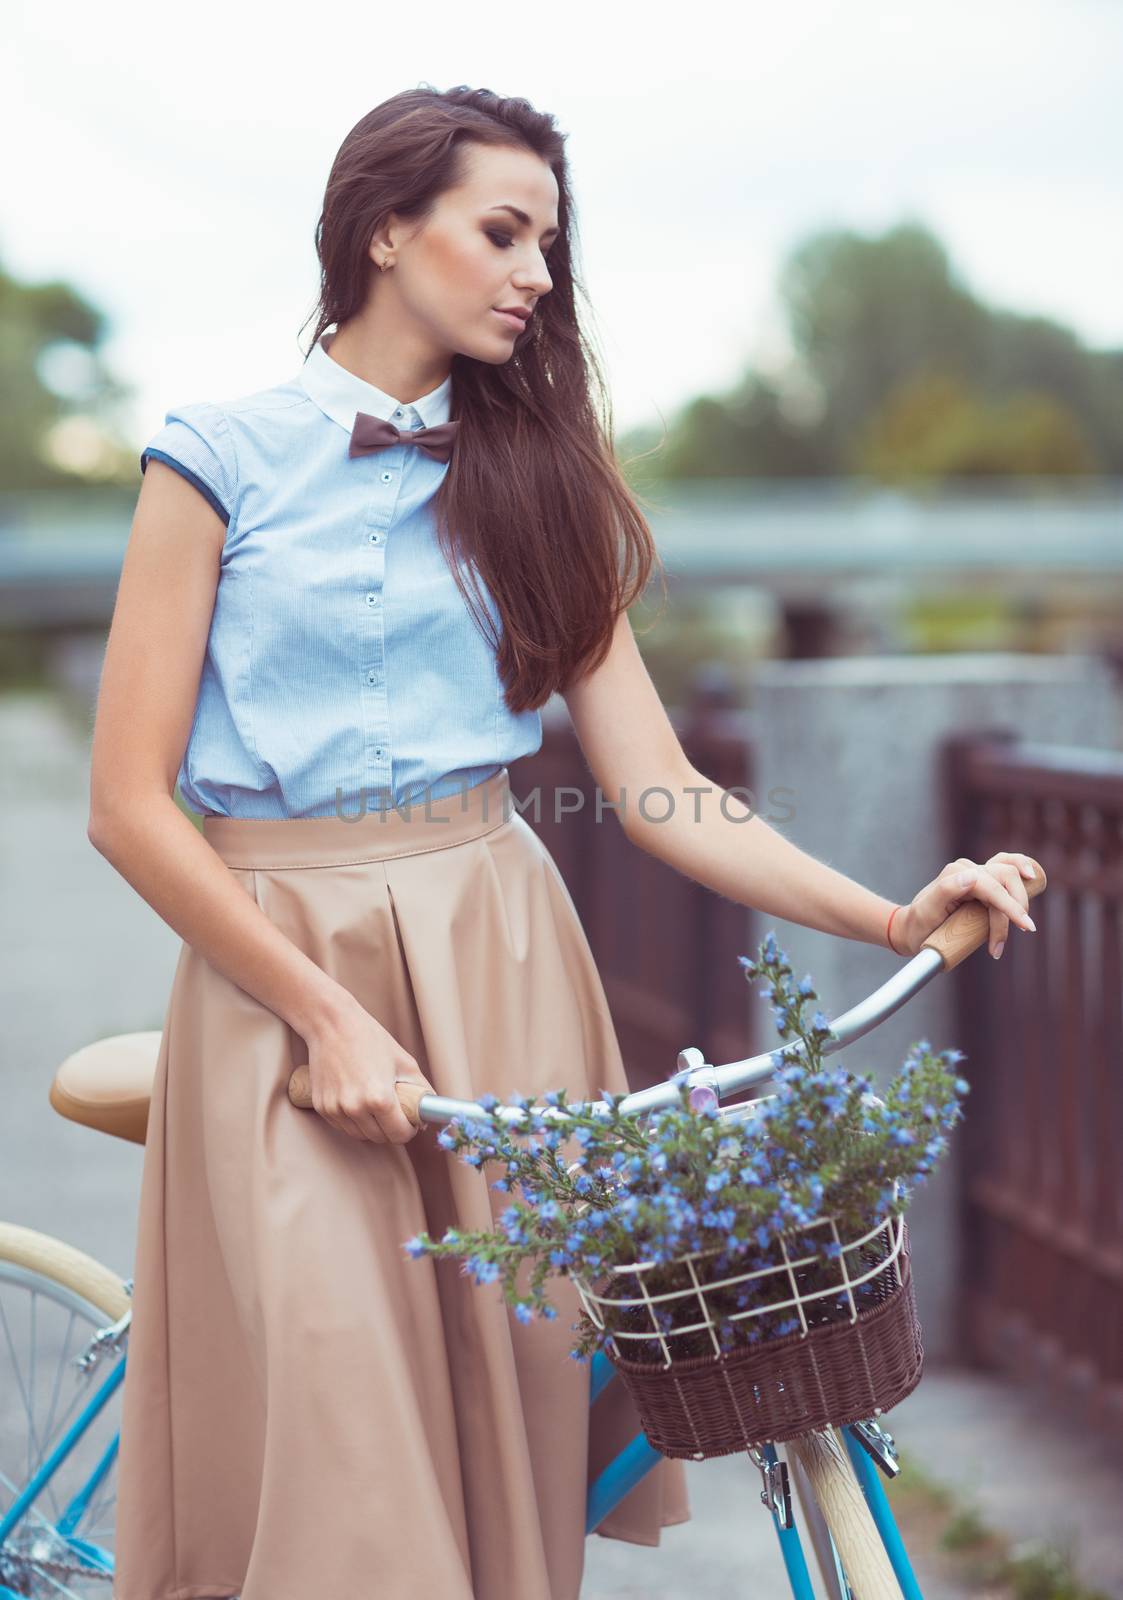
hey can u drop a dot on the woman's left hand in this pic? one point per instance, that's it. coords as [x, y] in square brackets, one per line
[1000, 883]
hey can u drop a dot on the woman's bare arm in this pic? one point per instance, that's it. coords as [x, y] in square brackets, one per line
[146, 703]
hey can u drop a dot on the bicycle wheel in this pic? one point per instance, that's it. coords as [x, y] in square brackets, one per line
[825, 1477]
[53, 1299]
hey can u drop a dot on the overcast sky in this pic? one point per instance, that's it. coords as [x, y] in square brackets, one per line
[170, 162]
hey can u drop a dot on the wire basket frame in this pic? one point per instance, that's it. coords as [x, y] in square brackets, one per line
[825, 1375]
[885, 1239]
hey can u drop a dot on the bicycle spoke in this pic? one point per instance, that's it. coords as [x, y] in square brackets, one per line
[32, 1466]
[97, 1506]
[59, 1372]
[32, 1431]
[37, 1403]
[34, 1463]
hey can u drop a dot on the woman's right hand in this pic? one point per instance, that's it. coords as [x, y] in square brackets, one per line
[352, 1064]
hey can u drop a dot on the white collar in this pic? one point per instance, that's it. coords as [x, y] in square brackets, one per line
[340, 394]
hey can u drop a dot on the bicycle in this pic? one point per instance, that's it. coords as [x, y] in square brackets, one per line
[856, 1547]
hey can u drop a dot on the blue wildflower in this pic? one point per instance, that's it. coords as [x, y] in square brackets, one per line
[512, 1223]
[483, 1271]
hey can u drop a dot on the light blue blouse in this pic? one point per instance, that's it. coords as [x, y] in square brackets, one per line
[343, 668]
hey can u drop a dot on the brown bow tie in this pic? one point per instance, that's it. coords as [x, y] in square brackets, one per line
[374, 433]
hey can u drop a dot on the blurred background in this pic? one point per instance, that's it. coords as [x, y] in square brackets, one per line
[854, 278]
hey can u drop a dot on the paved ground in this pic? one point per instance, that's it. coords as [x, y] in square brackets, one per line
[728, 1551]
[1033, 1469]
[83, 956]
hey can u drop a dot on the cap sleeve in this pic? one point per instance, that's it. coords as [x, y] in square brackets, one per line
[196, 442]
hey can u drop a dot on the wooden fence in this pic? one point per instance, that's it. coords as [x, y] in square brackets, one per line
[1042, 1201]
[666, 947]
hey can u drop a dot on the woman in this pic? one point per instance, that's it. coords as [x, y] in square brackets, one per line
[344, 601]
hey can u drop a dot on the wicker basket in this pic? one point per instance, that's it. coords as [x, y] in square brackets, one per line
[828, 1374]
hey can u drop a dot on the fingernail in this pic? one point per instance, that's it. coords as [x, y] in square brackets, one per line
[998, 949]
[1030, 924]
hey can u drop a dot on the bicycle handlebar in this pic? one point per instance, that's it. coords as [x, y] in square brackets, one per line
[959, 936]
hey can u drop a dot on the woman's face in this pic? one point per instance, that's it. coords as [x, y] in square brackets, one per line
[473, 256]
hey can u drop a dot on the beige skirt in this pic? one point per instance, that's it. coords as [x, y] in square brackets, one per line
[308, 1412]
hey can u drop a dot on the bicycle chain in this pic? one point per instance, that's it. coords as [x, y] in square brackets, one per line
[63, 1570]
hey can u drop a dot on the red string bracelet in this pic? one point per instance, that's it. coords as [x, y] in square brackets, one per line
[888, 926]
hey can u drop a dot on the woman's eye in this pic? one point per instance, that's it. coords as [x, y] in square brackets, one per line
[502, 240]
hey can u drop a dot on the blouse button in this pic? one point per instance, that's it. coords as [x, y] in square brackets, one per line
[375, 537]
[387, 477]
[372, 600]
[372, 677]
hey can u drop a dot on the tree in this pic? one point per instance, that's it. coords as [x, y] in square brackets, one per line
[912, 377]
[61, 432]
[934, 426]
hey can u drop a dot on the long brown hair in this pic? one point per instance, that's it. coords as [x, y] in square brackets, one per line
[534, 500]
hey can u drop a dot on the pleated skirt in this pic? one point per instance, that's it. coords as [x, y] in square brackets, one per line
[308, 1412]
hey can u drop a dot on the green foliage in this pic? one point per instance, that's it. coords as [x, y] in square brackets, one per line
[24, 661]
[1044, 1574]
[36, 321]
[965, 1530]
[899, 370]
[986, 1562]
[934, 426]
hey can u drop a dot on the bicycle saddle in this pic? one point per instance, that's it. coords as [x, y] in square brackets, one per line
[107, 1085]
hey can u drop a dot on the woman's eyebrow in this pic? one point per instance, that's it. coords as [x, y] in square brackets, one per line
[521, 216]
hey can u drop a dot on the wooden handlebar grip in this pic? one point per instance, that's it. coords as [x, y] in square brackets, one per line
[409, 1094]
[967, 927]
